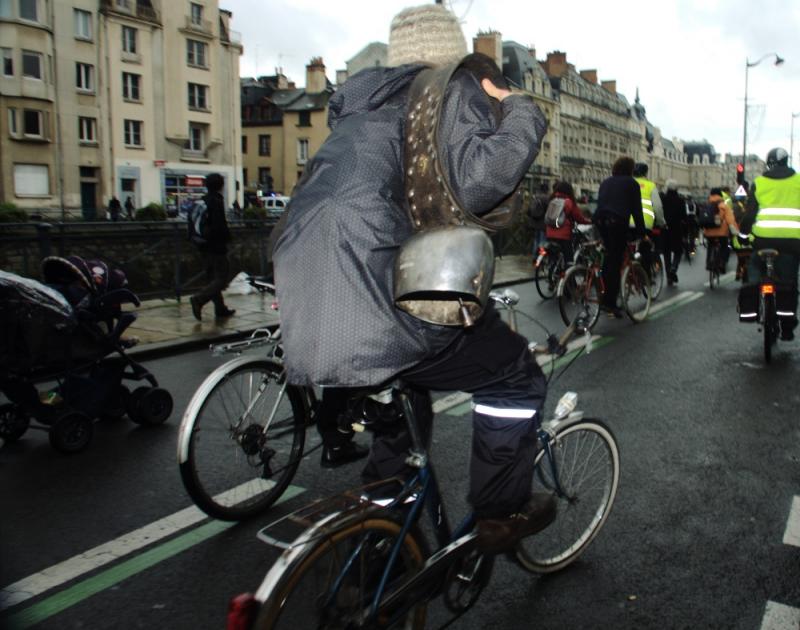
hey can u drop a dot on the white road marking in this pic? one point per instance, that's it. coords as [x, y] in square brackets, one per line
[76, 566]
[683, 296]
[780, 617]
[792, 534]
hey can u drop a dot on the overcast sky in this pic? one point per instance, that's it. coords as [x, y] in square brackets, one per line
[687, 57]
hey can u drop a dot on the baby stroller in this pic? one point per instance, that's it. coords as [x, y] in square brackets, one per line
[69, 330]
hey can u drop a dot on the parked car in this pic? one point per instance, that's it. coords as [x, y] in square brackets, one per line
[275, 205]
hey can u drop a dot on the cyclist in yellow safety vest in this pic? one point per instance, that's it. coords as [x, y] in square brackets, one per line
[652, 211]
[772, 220]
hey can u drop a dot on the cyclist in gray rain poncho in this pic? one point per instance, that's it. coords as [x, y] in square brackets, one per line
[334, 263]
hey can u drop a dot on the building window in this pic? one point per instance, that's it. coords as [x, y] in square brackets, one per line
[198, 96]
[129, 39]
[124, 4]
[31, 64]
[27, 10]
[197, 13]
[302, 150]
[133, 133]
[8, 62]
[265, 145]
[31, 180]
[244, 148]
[196, 53]
[84, 77]
[197, 137]
[264, 174]
[83, 24]
[130, 86]
[244, 176]
[12, 121]
[5, 8]
[304, 119]
[32, 123]
[87, 129]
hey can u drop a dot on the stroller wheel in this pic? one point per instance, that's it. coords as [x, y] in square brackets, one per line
[71, 432]
[150, 405]
[13, 422]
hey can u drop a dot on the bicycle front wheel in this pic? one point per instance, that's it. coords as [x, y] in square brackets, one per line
[579, 291]
[332, 583]
[636, 292]
[242, 440]
[583, 472]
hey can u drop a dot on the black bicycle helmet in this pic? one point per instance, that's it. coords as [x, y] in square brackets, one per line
[640, 169]
[777, 156]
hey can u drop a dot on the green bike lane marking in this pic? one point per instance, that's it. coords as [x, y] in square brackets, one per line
[84, 589]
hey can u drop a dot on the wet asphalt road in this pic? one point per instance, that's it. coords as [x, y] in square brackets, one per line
[708, 436]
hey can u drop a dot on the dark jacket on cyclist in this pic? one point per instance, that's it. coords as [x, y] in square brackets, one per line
[335, 261]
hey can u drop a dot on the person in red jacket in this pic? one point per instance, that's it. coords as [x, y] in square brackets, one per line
[572, 215]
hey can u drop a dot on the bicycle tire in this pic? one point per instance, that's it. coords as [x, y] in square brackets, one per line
[579, 289]
[587, 460]
[657, 276]
[770, 326]
[547, 274]
[230, 469]
[293, 593]
[636, 293]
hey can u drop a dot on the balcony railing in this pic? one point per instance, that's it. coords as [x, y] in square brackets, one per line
[201, 26]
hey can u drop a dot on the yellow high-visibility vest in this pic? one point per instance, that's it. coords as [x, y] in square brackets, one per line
[778, 207]
[649, 213]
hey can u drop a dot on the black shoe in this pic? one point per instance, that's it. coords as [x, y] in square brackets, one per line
[226, 312]
[335, 456]
[496, 535]
[196, 309]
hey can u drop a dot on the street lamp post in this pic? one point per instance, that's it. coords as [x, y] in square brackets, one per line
[749, 64]
[791, 139]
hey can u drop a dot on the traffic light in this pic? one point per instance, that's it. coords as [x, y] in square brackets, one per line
[740, 173]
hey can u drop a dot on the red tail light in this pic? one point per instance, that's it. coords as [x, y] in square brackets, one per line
[767, 289]
[242, 611]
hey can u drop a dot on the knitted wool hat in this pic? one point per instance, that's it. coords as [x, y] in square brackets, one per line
[428, 34]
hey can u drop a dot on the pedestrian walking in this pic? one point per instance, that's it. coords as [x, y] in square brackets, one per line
[675, 217]
[129, 208]
[214, 250]
[536, 212]
[114, 209]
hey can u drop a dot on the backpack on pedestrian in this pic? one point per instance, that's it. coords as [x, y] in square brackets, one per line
[198, 223]
[708, 215]
[555, 214]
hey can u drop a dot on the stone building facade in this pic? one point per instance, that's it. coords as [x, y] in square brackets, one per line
[132, 98]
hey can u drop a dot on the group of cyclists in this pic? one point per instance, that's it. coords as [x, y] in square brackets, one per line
[669, 225]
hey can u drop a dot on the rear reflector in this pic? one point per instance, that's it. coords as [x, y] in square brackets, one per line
[242, 611]
[767, 289]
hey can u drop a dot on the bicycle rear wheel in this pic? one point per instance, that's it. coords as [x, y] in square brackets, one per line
[657, 276]
[636, 292]
[770, 325]
[548, 273]
[586, 460]
[332, 583]
[579, 290]
[245, 439]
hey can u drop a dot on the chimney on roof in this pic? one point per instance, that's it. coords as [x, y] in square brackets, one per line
[590, 75]
[611, 86]
[316, 81]
[556, 64]
[490, 43]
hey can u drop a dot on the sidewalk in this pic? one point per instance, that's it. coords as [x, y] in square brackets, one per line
[167, 327]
